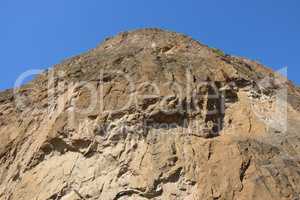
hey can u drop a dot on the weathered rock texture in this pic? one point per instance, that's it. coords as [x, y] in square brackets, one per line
[174, 119]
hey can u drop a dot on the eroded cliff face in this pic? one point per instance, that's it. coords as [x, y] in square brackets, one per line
[151, 114]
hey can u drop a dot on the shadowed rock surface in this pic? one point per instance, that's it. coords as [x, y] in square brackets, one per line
[167, 118]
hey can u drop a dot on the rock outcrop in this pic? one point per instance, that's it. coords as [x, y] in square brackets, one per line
[151, 114]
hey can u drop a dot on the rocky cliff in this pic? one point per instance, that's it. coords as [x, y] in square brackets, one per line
[151, 114]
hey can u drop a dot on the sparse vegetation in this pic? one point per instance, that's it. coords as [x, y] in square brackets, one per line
[218, 52]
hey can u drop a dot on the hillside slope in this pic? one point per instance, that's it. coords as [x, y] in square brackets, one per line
[151, 114]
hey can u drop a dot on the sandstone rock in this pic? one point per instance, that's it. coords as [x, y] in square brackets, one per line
[151, 114]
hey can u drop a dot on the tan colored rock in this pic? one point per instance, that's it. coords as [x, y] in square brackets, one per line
[151, 114]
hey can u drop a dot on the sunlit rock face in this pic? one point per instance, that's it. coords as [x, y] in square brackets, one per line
[151, 114]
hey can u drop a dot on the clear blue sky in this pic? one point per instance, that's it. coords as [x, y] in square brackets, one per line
[37, 34]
